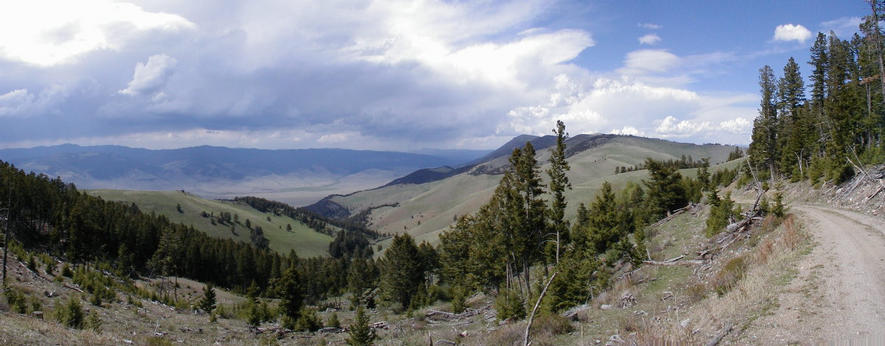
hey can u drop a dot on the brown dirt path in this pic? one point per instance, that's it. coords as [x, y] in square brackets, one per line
[838, 295]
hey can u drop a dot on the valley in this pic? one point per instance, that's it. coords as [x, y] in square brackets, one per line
[283, 233]
[506, 173]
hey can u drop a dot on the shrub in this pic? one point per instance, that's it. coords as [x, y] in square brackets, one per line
[721, 213]
[308, 321]
[696, 292]
[459, 299]
[778, 209]
[509, 305]
[16, 300]
[764, 207]
[66, 271]
[70, 314]
[32, 264]
[729, 275]
[551, 324]
[333, 321]
[93, 322]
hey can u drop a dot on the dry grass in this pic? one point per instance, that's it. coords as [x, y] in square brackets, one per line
[753, 278]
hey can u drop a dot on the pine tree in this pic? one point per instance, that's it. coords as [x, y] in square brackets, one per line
[791, 95]
[401, 271]
[665, 190]
[559, 182]
[763, 150]
[289, 289]
[603, 227]
[361, 334]
[207, 304]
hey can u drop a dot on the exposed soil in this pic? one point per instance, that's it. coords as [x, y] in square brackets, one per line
[838, 295]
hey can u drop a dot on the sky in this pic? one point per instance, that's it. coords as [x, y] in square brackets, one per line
[393, 75]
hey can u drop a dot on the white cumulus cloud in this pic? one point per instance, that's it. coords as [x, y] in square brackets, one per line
[649, 60]
[149, 77]
[627, 130]
[649, 39]
[46, 32]
[791, 32]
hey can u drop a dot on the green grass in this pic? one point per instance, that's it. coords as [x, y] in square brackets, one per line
[305, 241]
[426, 210]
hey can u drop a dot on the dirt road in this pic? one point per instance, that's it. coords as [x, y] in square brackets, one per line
[838, 295]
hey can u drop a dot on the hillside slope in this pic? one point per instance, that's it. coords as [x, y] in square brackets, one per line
[305, 241]
[427, 208]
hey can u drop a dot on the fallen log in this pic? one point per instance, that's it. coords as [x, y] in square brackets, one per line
[882, 187]
[676, 263]
[672, 215]
[715, 341]
[72, 287]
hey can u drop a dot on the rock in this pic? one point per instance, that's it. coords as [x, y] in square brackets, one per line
[627, 300]
[331, 330]
[463, 334]
[605, 307]
[684, 323]
[614, 340]
[573, 312]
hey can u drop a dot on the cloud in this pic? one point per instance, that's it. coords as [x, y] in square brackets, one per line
[47, 33]
[642, 99]
[843, 27]
[671, 127]
[23, 103]
[627, 130]
[651, 26]
[378, 74]
[14, 102]
[791, 32]
[649, 60]
[649, 39]
[151, 76]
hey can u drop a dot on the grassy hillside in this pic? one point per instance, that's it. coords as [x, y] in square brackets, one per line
[424, 210]
[305, 241]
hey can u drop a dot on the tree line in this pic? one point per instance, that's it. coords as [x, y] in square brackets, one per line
[521, 231]
[307, 217]
[816, 137]
[51, 216]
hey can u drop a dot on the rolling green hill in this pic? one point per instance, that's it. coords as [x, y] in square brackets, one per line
[305, 241]
[424, 210]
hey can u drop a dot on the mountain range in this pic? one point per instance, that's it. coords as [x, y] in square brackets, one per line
[298, 176]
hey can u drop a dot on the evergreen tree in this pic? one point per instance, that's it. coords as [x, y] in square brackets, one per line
[791, 96]
[722, 212]
[763, 150]
[290, 291]
[401, 272]
[207, 303]
[361, 334]
[665, 190]
[559, 182]
[604, 226]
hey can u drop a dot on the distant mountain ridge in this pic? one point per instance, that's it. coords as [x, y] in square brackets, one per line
[289, 175]
[426, 201]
